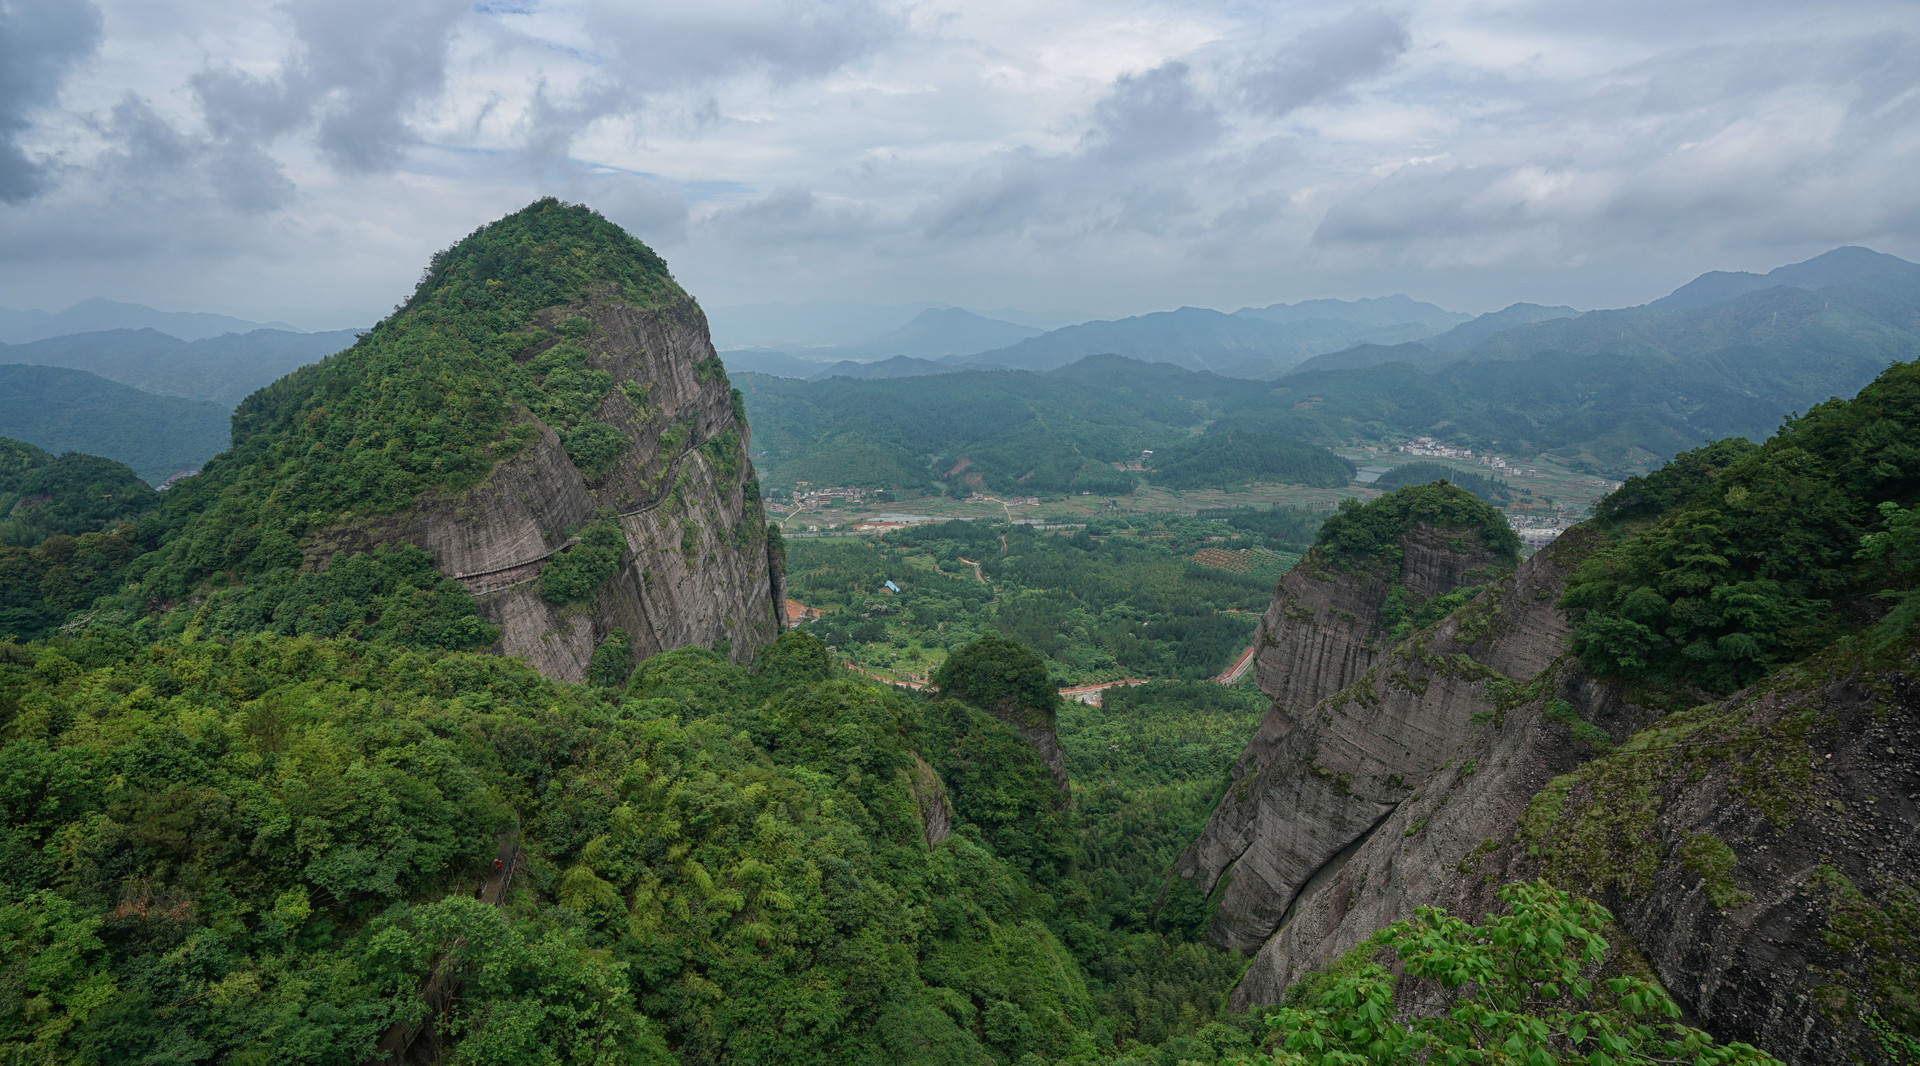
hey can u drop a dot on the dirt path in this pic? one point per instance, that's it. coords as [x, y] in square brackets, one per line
[1090, 694]
[976, 568]
[864, 672]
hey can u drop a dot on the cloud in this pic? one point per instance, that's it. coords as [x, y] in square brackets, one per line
[360, 69]
[652, 210]
[1156, 114]
[658, 47]
[40, 41]
[642, 52]
[788, 217]
[1068, 154]
[1118, 176]
[1324, 61]
[154, 161]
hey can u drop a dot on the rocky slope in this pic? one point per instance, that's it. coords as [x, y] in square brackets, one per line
[1759, 852]
[1298, 797]
[1380, 766]
[696, 568]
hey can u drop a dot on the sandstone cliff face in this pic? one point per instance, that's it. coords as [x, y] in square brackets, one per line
[1767, 860]
[1442, 742]
[1293, 806]
[1760, 852]
[696, 569]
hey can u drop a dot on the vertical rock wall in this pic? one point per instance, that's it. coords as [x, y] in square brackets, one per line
[696, 568]
[1293, 805]
[1760, 853]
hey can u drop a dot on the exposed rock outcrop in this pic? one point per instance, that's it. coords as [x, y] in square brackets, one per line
[1367, 813]
[1307, 787]
[696, 568]
[1759, 852]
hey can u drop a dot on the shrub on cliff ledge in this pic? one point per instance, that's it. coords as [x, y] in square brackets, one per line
[1372, 531]
[1521, 989]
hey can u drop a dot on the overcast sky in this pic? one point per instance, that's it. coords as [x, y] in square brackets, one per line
[1112, 158]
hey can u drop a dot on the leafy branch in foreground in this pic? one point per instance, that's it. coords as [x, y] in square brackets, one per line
[1518, 990]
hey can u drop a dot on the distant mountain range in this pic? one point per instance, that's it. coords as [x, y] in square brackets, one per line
[92, 316]
[1251, 342]
[224, 369]
[814, 324]
[1714, 313]
[1613, 392]
[1842, 266]
[1614, 389]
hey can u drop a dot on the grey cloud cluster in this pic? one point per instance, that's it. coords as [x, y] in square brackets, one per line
[1324, 61]
[40, 40]
[657, 47]
[990, 152]
[649, 50]
[360, 68]
[152, 160]
[1769, 145]
[1136, 168]
[1155, 114]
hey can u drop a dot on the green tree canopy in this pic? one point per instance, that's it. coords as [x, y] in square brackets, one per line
[1001, 676]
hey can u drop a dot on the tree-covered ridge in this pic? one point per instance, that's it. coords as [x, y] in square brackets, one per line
[1363, 533]
[65, 410]
[1757, 556]
[1488, 488]
[43, 495]
[1002, 431]
[1003, 677]
[427, 398]
[262, 848]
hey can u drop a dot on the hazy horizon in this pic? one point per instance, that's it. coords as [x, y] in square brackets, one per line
[292, 161]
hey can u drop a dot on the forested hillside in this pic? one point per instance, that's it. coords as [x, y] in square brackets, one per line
[267, 800]
[71, 410]
[44, 495]
[1004, 431]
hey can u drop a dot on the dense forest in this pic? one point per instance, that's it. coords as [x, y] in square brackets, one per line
[258, 814]
[1229, 457]
[1488, 488]
[1734, 559]
[43, 495]
[1003, 431]
[65, 410]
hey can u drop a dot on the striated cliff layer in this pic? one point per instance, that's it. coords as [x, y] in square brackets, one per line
[695, 568]
[1759, 853]
[1367, 813]
[1308, 785]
